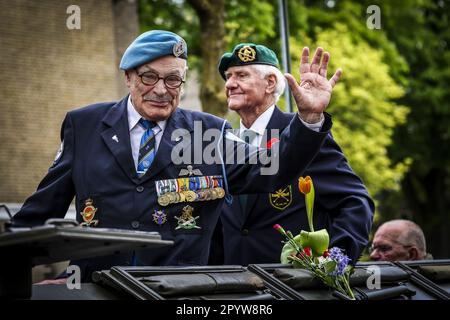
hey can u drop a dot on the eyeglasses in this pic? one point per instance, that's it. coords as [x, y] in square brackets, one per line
[151, 78]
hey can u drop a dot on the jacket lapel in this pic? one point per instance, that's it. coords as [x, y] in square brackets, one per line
[117, 137]
[279, 120]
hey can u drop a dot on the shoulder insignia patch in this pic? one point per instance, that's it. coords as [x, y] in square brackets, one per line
[59, 153]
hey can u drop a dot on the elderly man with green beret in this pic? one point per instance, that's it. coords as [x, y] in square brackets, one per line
[253, 85]
[121, 160]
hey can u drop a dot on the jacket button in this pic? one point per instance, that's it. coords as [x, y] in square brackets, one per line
[139, 188]
[135, 224]
[245, 232]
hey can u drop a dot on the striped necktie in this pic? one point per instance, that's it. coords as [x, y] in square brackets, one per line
[147, 147]
[248, 136]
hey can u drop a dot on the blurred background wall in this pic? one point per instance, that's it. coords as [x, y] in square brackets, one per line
[48, 69]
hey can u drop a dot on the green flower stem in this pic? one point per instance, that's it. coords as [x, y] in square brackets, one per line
[340, 283]
[309, 202]
[348, 289]
[293, 243]
[339, 286]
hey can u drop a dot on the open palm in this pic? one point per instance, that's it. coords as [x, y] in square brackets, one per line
[313, 94]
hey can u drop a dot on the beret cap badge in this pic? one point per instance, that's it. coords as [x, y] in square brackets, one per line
[179, 48]
[246, 54]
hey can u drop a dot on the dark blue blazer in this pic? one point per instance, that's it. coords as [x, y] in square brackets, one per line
[95, 165]
[342, 206]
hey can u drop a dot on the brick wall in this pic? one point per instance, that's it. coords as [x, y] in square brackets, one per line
[46, 70]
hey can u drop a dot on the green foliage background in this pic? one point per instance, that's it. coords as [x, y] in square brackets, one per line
[392, 107]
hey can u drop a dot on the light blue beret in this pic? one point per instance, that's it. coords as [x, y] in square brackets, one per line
[152, 45]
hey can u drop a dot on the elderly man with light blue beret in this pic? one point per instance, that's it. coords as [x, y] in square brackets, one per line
[139, 163]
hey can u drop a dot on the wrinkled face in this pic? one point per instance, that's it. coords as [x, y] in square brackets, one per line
[245, 88]
[386, 246]
[156, 102]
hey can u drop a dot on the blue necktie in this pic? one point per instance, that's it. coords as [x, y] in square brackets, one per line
[147, 147]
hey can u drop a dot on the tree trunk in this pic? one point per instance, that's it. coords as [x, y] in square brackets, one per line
[211, 16]
[430, 207]
[438, 203]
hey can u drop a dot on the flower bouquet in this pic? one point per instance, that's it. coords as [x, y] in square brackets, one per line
[309, 250]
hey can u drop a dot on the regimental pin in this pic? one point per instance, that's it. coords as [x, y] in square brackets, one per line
[59, 153]
[178, 139]
[88, 213]
[114, 137]
[282, 198]
[186, 220]
[246, 54]
[179, 48]
[190, 171]
[159, 217]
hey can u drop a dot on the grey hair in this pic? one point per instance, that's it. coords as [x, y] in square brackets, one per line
[412, 235]
[264, 70]
[186, 68]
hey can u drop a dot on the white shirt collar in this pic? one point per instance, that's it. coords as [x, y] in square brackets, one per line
[134, 117]
[260, 123]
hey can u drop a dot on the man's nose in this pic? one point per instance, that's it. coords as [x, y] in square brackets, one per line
[159, 88]
[230, 83]
[375, 255]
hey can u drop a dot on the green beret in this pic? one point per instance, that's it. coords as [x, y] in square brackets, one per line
[247, 53]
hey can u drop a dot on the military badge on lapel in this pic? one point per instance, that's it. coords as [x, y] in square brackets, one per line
[190, 171]
[59, 153]
[282, 198]
[187, 220]
[88, 213]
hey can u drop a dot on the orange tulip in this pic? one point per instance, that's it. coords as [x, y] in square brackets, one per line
[304, 184]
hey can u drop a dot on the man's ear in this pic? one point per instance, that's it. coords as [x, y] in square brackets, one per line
[272, 83]
[127, 78]
[413, 253]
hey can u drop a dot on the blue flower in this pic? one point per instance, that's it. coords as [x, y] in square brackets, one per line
[341, 260]
[342, 264]
[335, 253]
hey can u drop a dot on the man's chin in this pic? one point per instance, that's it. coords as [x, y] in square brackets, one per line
[234, 106]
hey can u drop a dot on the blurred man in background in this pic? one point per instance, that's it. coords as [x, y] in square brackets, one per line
[399, 240]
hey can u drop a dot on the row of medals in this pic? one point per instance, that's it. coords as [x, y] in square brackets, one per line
[191, 196]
